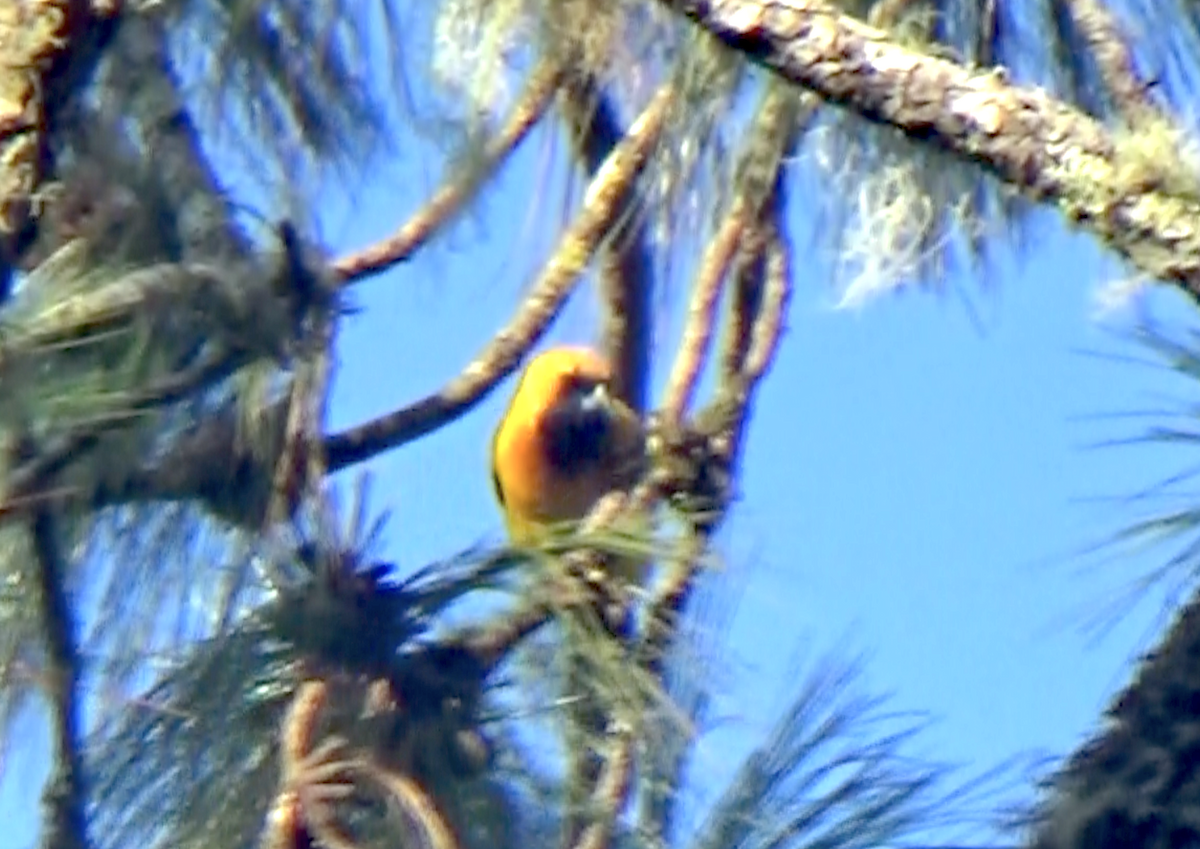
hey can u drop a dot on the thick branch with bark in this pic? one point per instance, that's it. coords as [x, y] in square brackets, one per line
[64, 798]
[1044, 148]
[46, 50]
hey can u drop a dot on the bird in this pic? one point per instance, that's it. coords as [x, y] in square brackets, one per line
[564, 442]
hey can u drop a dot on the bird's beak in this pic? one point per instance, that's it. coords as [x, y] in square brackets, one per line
[596, 400]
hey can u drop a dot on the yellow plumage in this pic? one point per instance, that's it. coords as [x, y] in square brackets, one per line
[563, 444]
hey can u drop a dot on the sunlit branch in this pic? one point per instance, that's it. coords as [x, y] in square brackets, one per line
[460, 188]
[745, 304]
[604, 200]
[702, 310]
[780, 121]
[1041, 146]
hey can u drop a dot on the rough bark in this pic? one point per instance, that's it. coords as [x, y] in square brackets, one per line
[46, 50]
[1032, 142]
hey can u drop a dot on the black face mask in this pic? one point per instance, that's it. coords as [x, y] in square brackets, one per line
[577, 429]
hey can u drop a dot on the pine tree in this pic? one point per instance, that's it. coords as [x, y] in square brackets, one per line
[226, 659]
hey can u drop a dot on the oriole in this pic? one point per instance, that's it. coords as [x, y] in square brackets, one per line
[563, 444]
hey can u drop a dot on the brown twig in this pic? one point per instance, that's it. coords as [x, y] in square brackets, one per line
[624, 269]
[456, 192]
[706, 294]
[611, 789]
[1110, 50]
[605, 197]
[422, 810]
[777, 295]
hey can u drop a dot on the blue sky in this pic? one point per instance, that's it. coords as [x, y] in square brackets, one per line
[916, 484]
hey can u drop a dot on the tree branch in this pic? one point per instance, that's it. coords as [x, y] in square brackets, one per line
[1100, 29]
[625, 273]
[143, 81]
[63, 798]
[1038, 145]
[605, 198]
[47, 50]
[702, 310]
[451, 197]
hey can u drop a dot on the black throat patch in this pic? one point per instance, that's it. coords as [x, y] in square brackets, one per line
[575, 439]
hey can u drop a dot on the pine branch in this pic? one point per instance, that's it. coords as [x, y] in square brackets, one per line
[142, 81]
[23, 488]
[774, 132]
[624, 264]
[63, 798]
[1040, 146]
[456, 192]
[605, 198]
